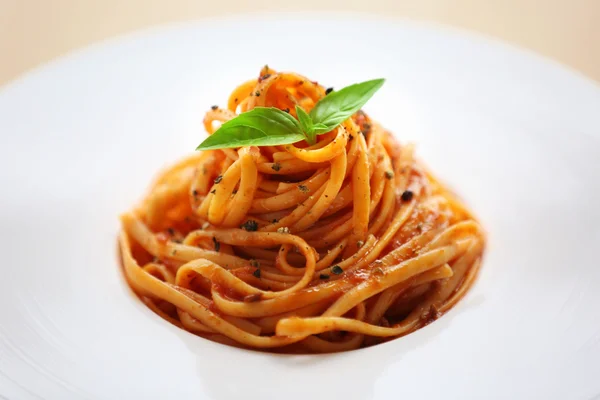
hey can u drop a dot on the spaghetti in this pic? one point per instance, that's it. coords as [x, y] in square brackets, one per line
[300, 248]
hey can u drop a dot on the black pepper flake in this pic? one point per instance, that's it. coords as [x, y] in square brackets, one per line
[214, 107]
[323, 276]
[256, 273]
[195, 193]
[213, 191]
[218, 179]
[250, 225]
[389, 174]
[303, 189]
[265, 76]
[407, 195]
[171, 231]
[328, 90]
[276, 166]
[257, 94]
[336, 270]
[217, 244]
[350, 138]
[287, 110]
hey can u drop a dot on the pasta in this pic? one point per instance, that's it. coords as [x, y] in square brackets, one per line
[300, 248]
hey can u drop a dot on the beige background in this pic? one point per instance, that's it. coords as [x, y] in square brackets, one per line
[35, 31]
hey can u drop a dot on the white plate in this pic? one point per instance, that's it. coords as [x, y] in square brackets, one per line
[517, 136]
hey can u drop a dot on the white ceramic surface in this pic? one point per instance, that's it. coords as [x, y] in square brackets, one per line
[517, 136]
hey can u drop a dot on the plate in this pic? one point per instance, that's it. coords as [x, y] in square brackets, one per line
[516, 135]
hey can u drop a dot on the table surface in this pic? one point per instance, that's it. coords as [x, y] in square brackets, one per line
[35, 31]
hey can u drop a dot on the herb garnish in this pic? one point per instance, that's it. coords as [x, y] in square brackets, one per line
[250, 225]
[336, 269]
[269, 126]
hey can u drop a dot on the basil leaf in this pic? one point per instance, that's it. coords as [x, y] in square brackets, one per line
[338, 106]
[261, 126]
[306, 124]
[321, 128]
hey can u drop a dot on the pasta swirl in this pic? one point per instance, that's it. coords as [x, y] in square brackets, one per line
[300, 248]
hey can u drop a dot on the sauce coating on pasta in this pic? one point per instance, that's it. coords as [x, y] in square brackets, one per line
[300, 248]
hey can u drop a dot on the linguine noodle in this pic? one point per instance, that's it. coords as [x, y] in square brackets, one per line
[298, 248]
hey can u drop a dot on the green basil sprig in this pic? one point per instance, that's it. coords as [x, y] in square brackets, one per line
[269, 126]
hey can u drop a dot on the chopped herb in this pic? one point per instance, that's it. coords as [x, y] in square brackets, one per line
[255, 263]
[217, 244]
[218, 179]
[323, 276]
[389, 174]
[336, 270]
[303, 189]
[214, 107]
[328, 90]
[256, 273]
[360, 244]
[276, 166]
[250, 225]
[407, 195]
[283, 229]
[257, 94]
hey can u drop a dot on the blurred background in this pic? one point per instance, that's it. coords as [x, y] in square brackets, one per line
[35, 31]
